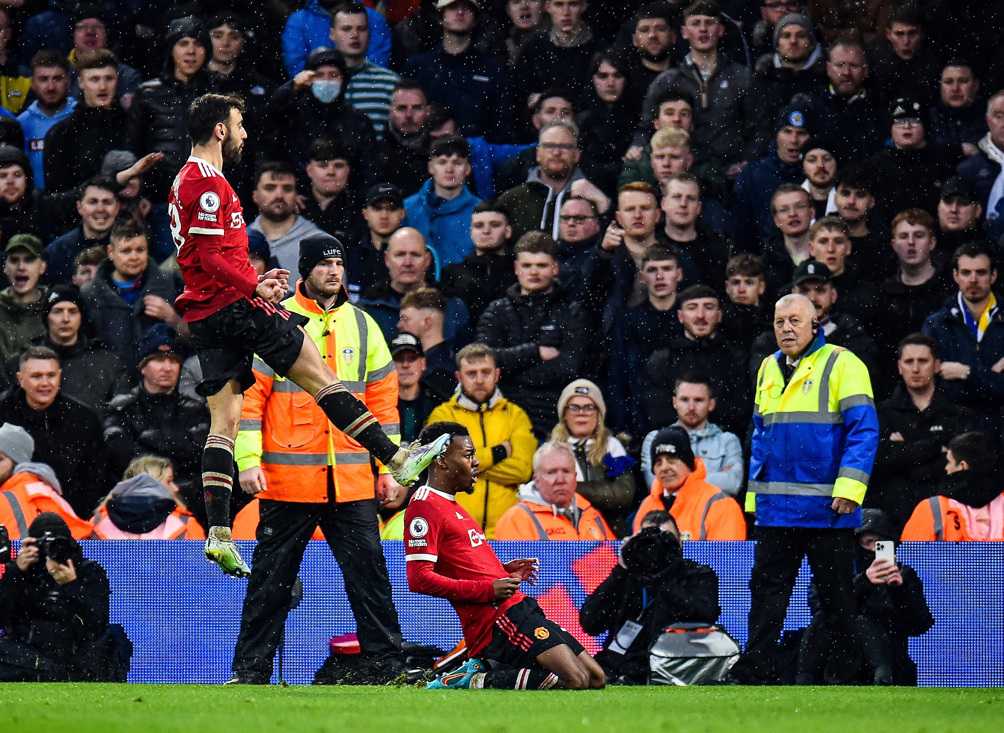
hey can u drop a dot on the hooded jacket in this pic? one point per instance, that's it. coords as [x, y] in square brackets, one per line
[514, 326]
[773, 86]
[445, 224]
[910, 470]
[724, 122]
[755, 186]
[36, 125]
[117, 323]
[68, 438]
[535, 205]
[701, 511]
[714, 357]
[721, 452]
[533, 518]
[309, 28]
[19, 323]
[295, 118]
[142, 508]
[76, 146]
[31, 490]
[491, 424]
[983, 390]
[169, 425]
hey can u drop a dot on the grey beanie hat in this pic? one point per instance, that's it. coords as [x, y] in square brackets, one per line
[582, 388]
[16, 443]
[794, 19]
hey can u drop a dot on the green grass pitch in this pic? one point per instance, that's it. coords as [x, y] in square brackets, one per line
[31, 708]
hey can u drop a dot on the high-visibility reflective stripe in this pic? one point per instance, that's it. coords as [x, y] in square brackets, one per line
[541, 533]
[248, 424]
[598, 521]
[15, 508]
[791, 488]
[277, 458]
[378, 374]
[856, 401]
[364, 329]
[260, 366]
[824, 381]
[707, 510]
[807, 418]
[939, 525]
[391, 428]
[286, 386]
[853, 473]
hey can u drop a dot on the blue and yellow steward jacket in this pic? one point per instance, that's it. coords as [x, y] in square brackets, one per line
[813, 439]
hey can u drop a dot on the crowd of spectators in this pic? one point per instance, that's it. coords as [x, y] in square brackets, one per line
[569, 219]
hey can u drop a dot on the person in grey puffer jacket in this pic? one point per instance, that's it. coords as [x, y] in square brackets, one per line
[721, 451]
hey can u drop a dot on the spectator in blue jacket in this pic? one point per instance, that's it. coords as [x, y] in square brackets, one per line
[969, 332]
[50, 83]
[442, 208]
[309, 29]
[756, 184]
[456, 74]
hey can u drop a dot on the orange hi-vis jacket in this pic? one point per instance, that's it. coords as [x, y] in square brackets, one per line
[245, 525]
[284, 431]
[24, 496]
[941, 518]
[702, 511]
[179, 525]
[529, 520]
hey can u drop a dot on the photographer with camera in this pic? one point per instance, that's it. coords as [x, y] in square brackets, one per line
[54, 609]
[651, 587]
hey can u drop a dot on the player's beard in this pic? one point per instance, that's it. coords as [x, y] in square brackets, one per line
[232, 151]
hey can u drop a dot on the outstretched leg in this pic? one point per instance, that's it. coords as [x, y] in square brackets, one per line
[352, 417]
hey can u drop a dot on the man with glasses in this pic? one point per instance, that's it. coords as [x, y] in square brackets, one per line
[536, 204]
[848, 113]
[579, 232]
[910, 173]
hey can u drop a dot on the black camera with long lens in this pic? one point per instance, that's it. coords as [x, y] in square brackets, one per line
[60, 549]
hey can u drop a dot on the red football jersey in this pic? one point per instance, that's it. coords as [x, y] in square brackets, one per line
[448, 556]
[207, 225]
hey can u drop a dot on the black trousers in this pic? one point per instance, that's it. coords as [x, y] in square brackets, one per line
[20, 662]
[283, 532]
[777, 558]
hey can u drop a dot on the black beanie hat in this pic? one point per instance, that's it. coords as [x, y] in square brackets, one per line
[318, 247]
[60, 293]
[673, 442]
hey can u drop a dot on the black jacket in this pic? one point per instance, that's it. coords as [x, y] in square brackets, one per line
[714, 357]
[515, 326]
[158, 123]
[912, 178]
[403, 163]
[688, 594]
[295, 119]
[76, 147]
[57, 620]
[773, 87]
[854, 125]
[118, 324]
[90, 371]
[907, 472]
[478, 280]
[68, 438]
[169, 425]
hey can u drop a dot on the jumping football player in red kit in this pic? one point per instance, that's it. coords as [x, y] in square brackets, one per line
[511, 643]
[233, 315]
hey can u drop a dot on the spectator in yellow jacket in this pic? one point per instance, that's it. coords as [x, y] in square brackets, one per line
[500, 430]
[549, 508]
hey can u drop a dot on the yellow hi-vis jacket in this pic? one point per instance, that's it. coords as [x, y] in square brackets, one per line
[284, 431]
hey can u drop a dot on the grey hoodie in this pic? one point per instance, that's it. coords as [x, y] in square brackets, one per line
[721, 452]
